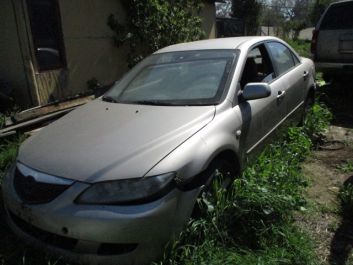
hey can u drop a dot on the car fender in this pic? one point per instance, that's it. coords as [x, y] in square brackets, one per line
[311, 83]
[194, 156]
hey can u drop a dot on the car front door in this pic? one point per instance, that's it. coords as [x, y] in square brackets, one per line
[261, 116]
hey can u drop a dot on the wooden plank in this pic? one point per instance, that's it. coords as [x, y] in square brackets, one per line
[29, 124]
[7, 134]
[39, 111]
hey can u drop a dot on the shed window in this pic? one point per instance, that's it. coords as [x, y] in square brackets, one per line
[46, 31]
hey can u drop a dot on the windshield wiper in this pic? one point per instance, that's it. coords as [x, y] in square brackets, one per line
[151, 102]
[109, 99]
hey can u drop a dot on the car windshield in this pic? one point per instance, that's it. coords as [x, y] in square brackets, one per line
[176, 78]
[338, 16]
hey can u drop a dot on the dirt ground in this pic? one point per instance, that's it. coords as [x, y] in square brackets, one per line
[328, 169]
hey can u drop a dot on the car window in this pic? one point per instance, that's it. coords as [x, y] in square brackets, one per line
[338, 16]
[177, 81]
[176, 78]
[258, 67]
[282, 57]
[296, 60]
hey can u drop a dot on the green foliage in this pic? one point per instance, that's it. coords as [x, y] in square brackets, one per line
[302, 47]
[270, 189]
[346, 197]
[153, 24]
[317, 121]
[249, 11]
[252, 223]
[318, 9]
[346, 167]
[294, 248]
[289, 16]
[8, 153]
[2, 120]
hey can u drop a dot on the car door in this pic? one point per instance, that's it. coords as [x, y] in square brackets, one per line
[292, 76]
[261, 116]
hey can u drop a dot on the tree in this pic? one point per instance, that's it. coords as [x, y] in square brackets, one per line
[318, 9]
[291, 16]
[271, 16]
[301, 17]
[224, 9]
[153, 24]
[249, 11]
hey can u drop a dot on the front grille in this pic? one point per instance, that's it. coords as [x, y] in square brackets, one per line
[33, 192]
[44, 236]
[68, 243]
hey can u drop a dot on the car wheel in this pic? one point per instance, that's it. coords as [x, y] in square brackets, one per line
[220, 175]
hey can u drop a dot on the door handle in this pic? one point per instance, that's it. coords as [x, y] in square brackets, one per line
[305, 74]
[281, 94]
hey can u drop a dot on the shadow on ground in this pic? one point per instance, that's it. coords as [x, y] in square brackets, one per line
[342, 242]
[338, 96]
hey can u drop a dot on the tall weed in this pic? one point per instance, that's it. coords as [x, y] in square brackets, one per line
[8, 153]
[317, 121]
[252, 223]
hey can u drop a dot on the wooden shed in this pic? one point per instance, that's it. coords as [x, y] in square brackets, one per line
[49, 49]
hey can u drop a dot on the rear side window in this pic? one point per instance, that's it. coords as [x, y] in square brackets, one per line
[338, 16]
[282, 57]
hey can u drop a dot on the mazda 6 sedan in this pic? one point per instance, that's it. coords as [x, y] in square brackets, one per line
[114, 180]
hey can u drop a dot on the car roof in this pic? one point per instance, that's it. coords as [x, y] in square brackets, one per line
[217, 44]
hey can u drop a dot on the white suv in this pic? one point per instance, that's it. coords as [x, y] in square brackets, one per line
[332, 42]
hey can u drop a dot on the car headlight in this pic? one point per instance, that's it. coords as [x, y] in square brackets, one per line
[127, 191]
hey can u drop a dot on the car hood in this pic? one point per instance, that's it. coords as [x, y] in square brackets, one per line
[105, 141]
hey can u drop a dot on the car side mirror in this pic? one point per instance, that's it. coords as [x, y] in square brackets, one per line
[256, 91]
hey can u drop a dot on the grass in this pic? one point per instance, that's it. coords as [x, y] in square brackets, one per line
[252, 223]
[346, 167]
[8, 152]
[302, 47]
[346, 198]
[2, 120]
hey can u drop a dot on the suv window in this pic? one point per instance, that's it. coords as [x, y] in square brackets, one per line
[282, 57]
[338, 16]
[258, 67]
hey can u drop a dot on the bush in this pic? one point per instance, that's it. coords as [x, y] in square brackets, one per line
[154, 24]
[302, 47]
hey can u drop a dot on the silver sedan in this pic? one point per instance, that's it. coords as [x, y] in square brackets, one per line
[114, 180]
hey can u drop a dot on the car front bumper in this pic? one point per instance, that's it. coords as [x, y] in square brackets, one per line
[99, 234]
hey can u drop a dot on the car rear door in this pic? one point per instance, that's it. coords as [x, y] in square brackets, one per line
[335, 34]
[293, 78]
